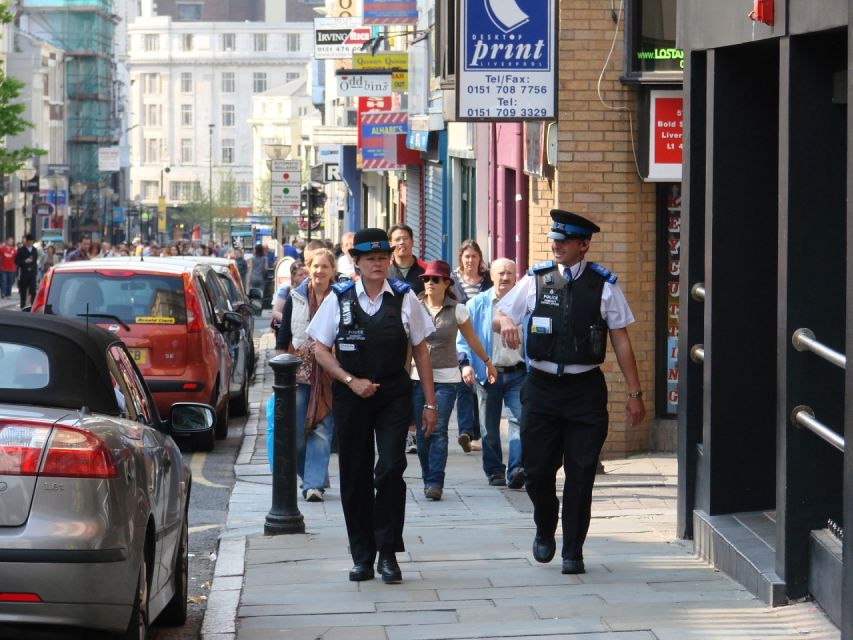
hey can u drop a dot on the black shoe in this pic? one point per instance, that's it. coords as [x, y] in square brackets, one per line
[517, 479]
[361, 571]
[573, 566]
[544, 548]
[388, 568]
[497, 480]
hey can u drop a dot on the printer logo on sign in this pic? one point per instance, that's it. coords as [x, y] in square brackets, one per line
[500, 35]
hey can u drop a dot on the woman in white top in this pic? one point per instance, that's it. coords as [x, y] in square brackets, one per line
[449, 317]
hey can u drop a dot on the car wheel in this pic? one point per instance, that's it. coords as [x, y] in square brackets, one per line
[137, 628]
[240, 404]
[175, 613]
[221, 427]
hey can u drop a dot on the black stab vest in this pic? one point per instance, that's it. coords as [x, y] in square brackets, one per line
[566, 326]
[373, 347]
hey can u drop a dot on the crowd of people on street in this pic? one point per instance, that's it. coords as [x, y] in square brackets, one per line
[390, 344]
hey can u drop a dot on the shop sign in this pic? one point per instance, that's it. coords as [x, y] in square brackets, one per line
[396, 61]
[666, 136]
[418, 140]
[364, 84]
[374, 127]
[390, 12]
[338, 38]
[534, 143]
[109, 159]
[506, 65]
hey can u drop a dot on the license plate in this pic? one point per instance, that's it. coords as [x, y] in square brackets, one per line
[140, 355]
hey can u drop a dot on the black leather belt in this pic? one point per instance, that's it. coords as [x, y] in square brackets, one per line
[515, 367]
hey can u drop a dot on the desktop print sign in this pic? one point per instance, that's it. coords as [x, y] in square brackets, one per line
[506, 62]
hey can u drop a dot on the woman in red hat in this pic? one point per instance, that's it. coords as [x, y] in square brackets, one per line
[448, 316]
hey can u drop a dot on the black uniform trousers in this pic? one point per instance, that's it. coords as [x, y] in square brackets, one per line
[373, 499]
[563, 421]
[27, 286]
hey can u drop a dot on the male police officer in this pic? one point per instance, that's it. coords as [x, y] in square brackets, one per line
[570, 305]
[371, 323]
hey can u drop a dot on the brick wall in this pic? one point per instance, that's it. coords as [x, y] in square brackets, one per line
[596, 176]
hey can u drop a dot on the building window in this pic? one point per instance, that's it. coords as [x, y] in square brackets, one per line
[186, 115]
[260, 42]
[650, 40]
[186, 42]
[228, 151]
[186, 150]
[302, 111]
[291, 75]
[229, 42]
[152, 115]
[291, 42]
[151, 150]
[151, 42]
[183, 191]
[228, 82]
[151, 84]
[259, 84]
[186, 82]
[187, 11]
[445, 39]
[244, 193]
[228, 118]
[150, 189]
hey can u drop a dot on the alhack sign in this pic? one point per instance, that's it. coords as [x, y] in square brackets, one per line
[506, 62]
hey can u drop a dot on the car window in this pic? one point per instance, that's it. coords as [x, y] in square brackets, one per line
[217, 293]
[134, 298]
[136, 391]
[229, 286]
[23, 367]
[123, 397]
[204, 300]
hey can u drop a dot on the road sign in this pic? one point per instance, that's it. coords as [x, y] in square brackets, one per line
[285, 184]
[331, 173]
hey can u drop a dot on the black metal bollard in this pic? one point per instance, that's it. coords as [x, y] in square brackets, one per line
[284, 516]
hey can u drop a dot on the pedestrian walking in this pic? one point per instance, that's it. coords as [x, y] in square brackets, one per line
[372, 323]
[314, 422]
[405, 265]
[26, 259]
[8, 268]
[505, 392]
[571, 305]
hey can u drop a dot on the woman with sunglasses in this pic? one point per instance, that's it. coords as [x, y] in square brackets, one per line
[448, 316]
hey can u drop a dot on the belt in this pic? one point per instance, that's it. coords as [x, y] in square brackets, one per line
[516, 367]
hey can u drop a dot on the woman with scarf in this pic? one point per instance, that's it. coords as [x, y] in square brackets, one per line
[314, 423]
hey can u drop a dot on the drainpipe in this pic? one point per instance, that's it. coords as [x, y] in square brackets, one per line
[521, 203]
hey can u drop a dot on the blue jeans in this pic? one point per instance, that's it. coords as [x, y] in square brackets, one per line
[6, 280]
[506, 391]
[312, 450]
[432, 451]
[466, 416]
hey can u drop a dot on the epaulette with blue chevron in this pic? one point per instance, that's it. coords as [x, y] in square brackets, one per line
[342, 287]
[604, 272]
[399, 286]
[541, 266]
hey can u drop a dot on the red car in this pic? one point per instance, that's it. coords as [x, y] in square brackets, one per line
[167, 319]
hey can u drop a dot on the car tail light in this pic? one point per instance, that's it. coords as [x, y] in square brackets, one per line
[19, 597]
[195, 323]
[74, 453]
[190, 386]
[41, 296]
[115, 273]
[21, 446]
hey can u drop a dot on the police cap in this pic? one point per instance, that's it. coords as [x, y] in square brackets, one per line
[568, 225]
[370, 240]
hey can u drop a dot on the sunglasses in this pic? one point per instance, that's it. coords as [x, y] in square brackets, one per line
[433, 279]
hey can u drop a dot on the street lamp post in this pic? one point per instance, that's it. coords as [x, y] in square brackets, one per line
[210, 176]
[25, 174]
[78, 189]
[107, 193]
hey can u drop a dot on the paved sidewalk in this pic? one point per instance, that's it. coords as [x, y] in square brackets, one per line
[468, 571]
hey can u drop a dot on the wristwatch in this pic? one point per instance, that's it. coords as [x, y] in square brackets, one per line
[348, 379]
[431, 406]
[635, 394]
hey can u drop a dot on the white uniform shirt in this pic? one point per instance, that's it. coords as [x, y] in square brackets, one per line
[521, 300]
[416, 321]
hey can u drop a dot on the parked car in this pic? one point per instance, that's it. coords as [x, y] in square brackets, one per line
[163, 312]
[93, 489]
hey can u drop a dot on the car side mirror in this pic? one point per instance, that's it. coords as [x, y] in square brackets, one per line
[256, 294]
[191, 417]
[231, 320]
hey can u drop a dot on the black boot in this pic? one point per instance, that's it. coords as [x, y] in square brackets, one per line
[388, 568]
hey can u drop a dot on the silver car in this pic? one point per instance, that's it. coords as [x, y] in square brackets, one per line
[93, 490]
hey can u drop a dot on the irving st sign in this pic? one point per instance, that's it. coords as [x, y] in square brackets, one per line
[506, 60]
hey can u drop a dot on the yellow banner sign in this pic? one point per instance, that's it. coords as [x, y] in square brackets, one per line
[153, 320]
[386, 60]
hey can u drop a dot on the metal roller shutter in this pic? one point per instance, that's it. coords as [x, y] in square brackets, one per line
[414, 204]
[433, 210]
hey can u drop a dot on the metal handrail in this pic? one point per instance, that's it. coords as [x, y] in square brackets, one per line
[803, 417]
[804, 340]
[697, 292]
[697, 353]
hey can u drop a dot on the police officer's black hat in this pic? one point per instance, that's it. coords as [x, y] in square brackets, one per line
[370, 240]
[568, 225]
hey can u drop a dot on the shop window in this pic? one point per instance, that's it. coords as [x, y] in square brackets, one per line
[651, 54]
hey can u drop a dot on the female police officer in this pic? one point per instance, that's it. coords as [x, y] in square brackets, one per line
[370, 324]
[570, 306]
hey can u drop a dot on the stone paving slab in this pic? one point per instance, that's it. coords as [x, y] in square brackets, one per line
[468, 569]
